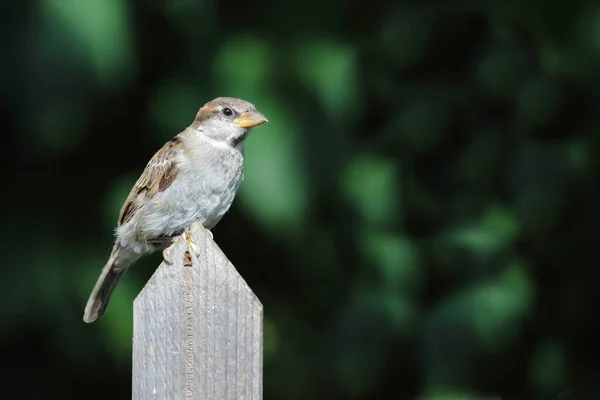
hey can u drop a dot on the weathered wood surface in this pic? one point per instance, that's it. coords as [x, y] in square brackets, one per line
[198, 328]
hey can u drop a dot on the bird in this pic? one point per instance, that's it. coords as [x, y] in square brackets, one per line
[193, 178]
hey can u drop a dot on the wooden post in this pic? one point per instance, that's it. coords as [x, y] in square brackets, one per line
[198, 328]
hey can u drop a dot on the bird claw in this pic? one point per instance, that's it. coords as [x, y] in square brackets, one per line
[191, 244]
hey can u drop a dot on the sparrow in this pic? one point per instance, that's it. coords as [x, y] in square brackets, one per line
[193, 178]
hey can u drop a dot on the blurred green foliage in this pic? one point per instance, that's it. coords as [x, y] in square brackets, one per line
[419, 217]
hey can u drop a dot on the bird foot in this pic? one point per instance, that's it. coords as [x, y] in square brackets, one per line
[191, 244]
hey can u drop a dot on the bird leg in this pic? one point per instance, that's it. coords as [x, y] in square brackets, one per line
[162, 240]
[191, 244]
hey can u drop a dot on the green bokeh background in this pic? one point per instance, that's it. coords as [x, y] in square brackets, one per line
[419, 217]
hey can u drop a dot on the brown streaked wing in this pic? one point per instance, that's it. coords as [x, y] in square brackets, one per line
[158, 175]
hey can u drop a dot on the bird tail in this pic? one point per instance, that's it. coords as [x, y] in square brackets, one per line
[120, 259]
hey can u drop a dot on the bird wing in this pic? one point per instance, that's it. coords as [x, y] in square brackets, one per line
[158, 175]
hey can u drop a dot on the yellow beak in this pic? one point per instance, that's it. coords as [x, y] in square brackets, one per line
[250, 119]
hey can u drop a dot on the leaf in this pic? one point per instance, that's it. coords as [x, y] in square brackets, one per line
[102, 26]
[371, 186]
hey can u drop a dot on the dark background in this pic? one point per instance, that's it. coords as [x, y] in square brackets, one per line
[419, 217]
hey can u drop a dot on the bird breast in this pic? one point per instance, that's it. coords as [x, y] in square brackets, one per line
[212, 187]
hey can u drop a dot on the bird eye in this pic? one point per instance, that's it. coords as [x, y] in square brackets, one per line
[227, 112]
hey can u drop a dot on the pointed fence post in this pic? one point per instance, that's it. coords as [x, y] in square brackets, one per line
[198, 328]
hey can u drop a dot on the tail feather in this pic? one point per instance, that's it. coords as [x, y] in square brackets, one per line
[114, 269]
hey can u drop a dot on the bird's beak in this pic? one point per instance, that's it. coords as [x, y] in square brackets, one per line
[250, 119]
